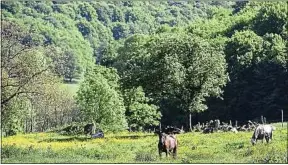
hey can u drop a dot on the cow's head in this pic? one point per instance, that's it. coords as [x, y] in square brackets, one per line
[253, 141]
[162, 138]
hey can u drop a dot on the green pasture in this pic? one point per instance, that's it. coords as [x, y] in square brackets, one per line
[127, 147]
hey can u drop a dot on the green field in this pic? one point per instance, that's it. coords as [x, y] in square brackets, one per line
[142, 148]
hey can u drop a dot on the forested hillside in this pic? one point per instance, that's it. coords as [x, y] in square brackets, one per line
[133, 64]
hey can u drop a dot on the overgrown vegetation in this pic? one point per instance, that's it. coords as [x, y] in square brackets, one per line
[142, 148]
[133, 64]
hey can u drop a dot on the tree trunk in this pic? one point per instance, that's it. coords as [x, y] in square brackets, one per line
[190, 122]
[31, 119]
[94, 127]
[31, 124]
[56, 121]
[282, 117]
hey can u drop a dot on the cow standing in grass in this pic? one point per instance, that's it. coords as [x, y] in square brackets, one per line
[261, 132]
[167, 143]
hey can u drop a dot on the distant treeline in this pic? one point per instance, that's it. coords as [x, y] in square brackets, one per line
[124, 65]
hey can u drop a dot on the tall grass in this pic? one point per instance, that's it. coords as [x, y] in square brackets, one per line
[142, 148]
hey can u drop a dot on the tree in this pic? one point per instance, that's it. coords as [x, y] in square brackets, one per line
[272, 18]
[23, 66]
[257, 71]
[100, 101]
[71, 69]
[239, 5]
[139, 112]
[13, 115]
[65, 62]
[119, 30]
[53, 108]
[26, 71]
[175, 65]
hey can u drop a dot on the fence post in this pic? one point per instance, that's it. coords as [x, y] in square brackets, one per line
[160, 127]
[262, 120]
[190, 122]
[230, 123]
[236, 123]
[282, 117]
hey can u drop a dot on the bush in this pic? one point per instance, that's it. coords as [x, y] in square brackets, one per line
[144, 157]
[9, 151]
[273, 156]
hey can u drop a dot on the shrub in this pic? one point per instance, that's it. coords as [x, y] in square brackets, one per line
[9, 151]
[273, 156]
[145, 157]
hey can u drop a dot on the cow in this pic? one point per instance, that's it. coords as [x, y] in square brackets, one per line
[167, 143]
[88, 128]
[261, 132]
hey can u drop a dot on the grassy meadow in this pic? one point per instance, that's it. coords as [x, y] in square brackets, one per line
[127, 147]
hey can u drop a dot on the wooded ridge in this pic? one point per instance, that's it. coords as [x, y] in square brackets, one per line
[131, 64]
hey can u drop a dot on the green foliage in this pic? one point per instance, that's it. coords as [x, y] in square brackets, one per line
[25, 71]
[175, 51]
[272, 18]
[100, 101]
[30, 90]
[244, 49]
[139, 112]
[176, 65]
[255, 63]
[12, 117]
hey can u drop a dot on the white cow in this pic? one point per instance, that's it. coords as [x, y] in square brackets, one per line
[261, 132]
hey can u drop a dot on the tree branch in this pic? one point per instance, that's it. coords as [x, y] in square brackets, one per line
[5, 101]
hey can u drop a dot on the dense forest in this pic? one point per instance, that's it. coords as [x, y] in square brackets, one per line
[130, 64]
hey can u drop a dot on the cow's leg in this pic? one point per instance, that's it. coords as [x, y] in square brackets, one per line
[160, 153]
[267, 139]
[166, 153]
[175, 153]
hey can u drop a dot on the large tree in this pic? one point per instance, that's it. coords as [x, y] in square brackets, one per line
[100, 101]
[180, 66]
[26, 72]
